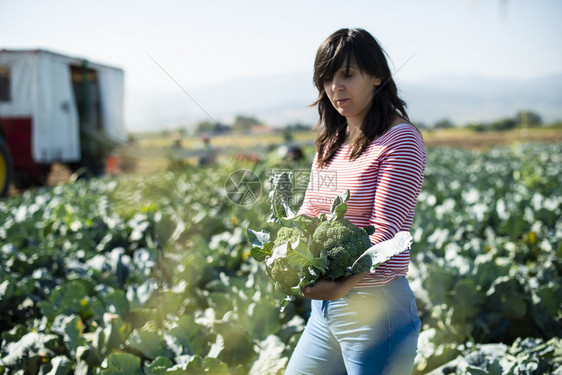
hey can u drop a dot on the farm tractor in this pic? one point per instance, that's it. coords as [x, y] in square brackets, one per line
[56, 109]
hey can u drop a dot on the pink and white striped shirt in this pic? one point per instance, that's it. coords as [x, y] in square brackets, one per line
[384, 182]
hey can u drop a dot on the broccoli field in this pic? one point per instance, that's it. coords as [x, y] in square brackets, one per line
[152, 274]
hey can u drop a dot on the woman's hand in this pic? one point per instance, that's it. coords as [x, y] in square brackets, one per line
[332, 290]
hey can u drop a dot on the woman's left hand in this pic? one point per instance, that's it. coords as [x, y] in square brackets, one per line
[332, 290]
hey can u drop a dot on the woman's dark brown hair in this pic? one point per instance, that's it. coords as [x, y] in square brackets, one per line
[340, 48]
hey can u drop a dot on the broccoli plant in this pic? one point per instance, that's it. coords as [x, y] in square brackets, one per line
[306, 249]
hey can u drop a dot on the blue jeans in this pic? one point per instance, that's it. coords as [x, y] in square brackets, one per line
[372, 330]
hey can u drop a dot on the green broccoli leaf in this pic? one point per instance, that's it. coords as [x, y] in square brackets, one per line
[271, 356]
[159, 366]
[122, 363]
[305, 223]
[88, 354]
[306, 278]
[279, 251]
[280, 196]
[382, 252]
[289, 213]
[300, 257]
[261, 244]
[339, 212]
[71, 329]
[339, 207]
[199, 366]
[30, 347]
[148, 344]
[258, 239]
[61, 365]
[285, 301]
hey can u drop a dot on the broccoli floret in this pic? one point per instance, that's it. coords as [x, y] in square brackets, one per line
[286, 234]
[284, 278]
[343, 241]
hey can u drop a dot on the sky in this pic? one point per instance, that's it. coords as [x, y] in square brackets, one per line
[201, 43]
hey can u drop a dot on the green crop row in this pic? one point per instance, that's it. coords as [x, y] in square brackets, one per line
[152, 274]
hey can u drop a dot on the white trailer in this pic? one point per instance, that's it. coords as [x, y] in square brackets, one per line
[56, 108]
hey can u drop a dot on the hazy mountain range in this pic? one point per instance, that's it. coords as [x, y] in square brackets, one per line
[284, 99]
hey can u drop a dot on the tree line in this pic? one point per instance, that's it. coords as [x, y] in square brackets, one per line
[250, 124]
[522, 119]
[241, 124]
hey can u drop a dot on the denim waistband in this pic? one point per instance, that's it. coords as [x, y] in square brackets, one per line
[399, 286]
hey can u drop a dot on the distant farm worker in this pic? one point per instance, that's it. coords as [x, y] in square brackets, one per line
[177, 140]
[367, 323]
[207, 152]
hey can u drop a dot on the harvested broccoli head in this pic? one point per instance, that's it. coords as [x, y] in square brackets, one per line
[309, 248]
[344, 242]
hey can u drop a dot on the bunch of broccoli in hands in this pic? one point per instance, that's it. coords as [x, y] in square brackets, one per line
[306, 249]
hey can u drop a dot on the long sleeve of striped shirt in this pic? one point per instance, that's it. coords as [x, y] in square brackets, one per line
[384, 182]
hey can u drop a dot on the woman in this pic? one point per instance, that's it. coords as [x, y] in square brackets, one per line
[367, 323]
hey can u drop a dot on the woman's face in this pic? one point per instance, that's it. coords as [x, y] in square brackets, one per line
[350, 91]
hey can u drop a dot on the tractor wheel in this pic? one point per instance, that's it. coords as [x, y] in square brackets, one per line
[5, 168]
